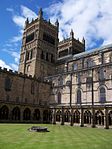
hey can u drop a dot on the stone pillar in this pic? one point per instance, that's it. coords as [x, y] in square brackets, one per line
[82, 118]
[54, 117]
[21, 115]
[106, 120]
[31, 117]
[10, 115]
[41, 116]
[93, 118]
[71, 118]
[62, 117]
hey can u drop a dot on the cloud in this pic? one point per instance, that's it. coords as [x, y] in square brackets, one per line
[4, 65]
[11, 66]
[9, 9]
[19, 20]
[11, 47]
[91, 19]
[25, 13]
[15, 55]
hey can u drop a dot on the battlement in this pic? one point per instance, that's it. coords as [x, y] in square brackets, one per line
[70, 39]
[16, 73]
[40, 19]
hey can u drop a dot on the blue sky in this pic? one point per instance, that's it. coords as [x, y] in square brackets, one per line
[91, 19]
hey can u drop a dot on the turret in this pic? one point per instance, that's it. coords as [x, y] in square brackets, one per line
[26, 22]
[40, 14]
[71, 34]
[57, 23]
[83, 41]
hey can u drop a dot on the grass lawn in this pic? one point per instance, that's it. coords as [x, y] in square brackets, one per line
[16, 136]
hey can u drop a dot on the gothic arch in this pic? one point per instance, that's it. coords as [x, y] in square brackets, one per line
[27, 114]
[36, 114]
[87, 117]
[45, 116]
[76, 117]
[58, 116]
[67, 116]
[99, 117]
[16, 113]
[4, 113]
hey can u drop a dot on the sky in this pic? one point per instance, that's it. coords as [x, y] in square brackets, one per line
[91, 19]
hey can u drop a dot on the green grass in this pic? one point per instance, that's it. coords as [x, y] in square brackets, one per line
[16, 136]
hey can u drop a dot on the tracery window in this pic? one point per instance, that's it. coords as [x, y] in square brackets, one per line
[102, 94]
[78, 96]
[50, 39]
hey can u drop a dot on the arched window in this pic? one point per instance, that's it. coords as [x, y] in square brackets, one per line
[27, 114]
[36, 114]
[59, 98]
[78, 96]
[8, 84]
[102, 94]
[4, 113]
[89, 63]
[16, 113]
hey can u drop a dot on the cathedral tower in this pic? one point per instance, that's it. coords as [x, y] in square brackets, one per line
[39, 47]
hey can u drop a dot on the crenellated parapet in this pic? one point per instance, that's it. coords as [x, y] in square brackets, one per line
[21, 75]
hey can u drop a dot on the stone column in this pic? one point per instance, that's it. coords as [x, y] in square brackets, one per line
[31, 117]
[62, 117]
[71, 120]
[10, 115]
[21, 115]
[41, 116]
[106, 120]
[93, 118]
[82, 118]
[54, 117]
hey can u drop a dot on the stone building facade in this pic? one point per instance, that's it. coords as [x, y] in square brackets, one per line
[57, 82]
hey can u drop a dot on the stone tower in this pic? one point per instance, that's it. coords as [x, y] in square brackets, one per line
[39, 47]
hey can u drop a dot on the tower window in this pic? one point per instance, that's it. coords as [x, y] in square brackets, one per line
[63, 53]
[49, 38]
[27, 56]
[31, 54]
[28, 68]
[29, 37]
